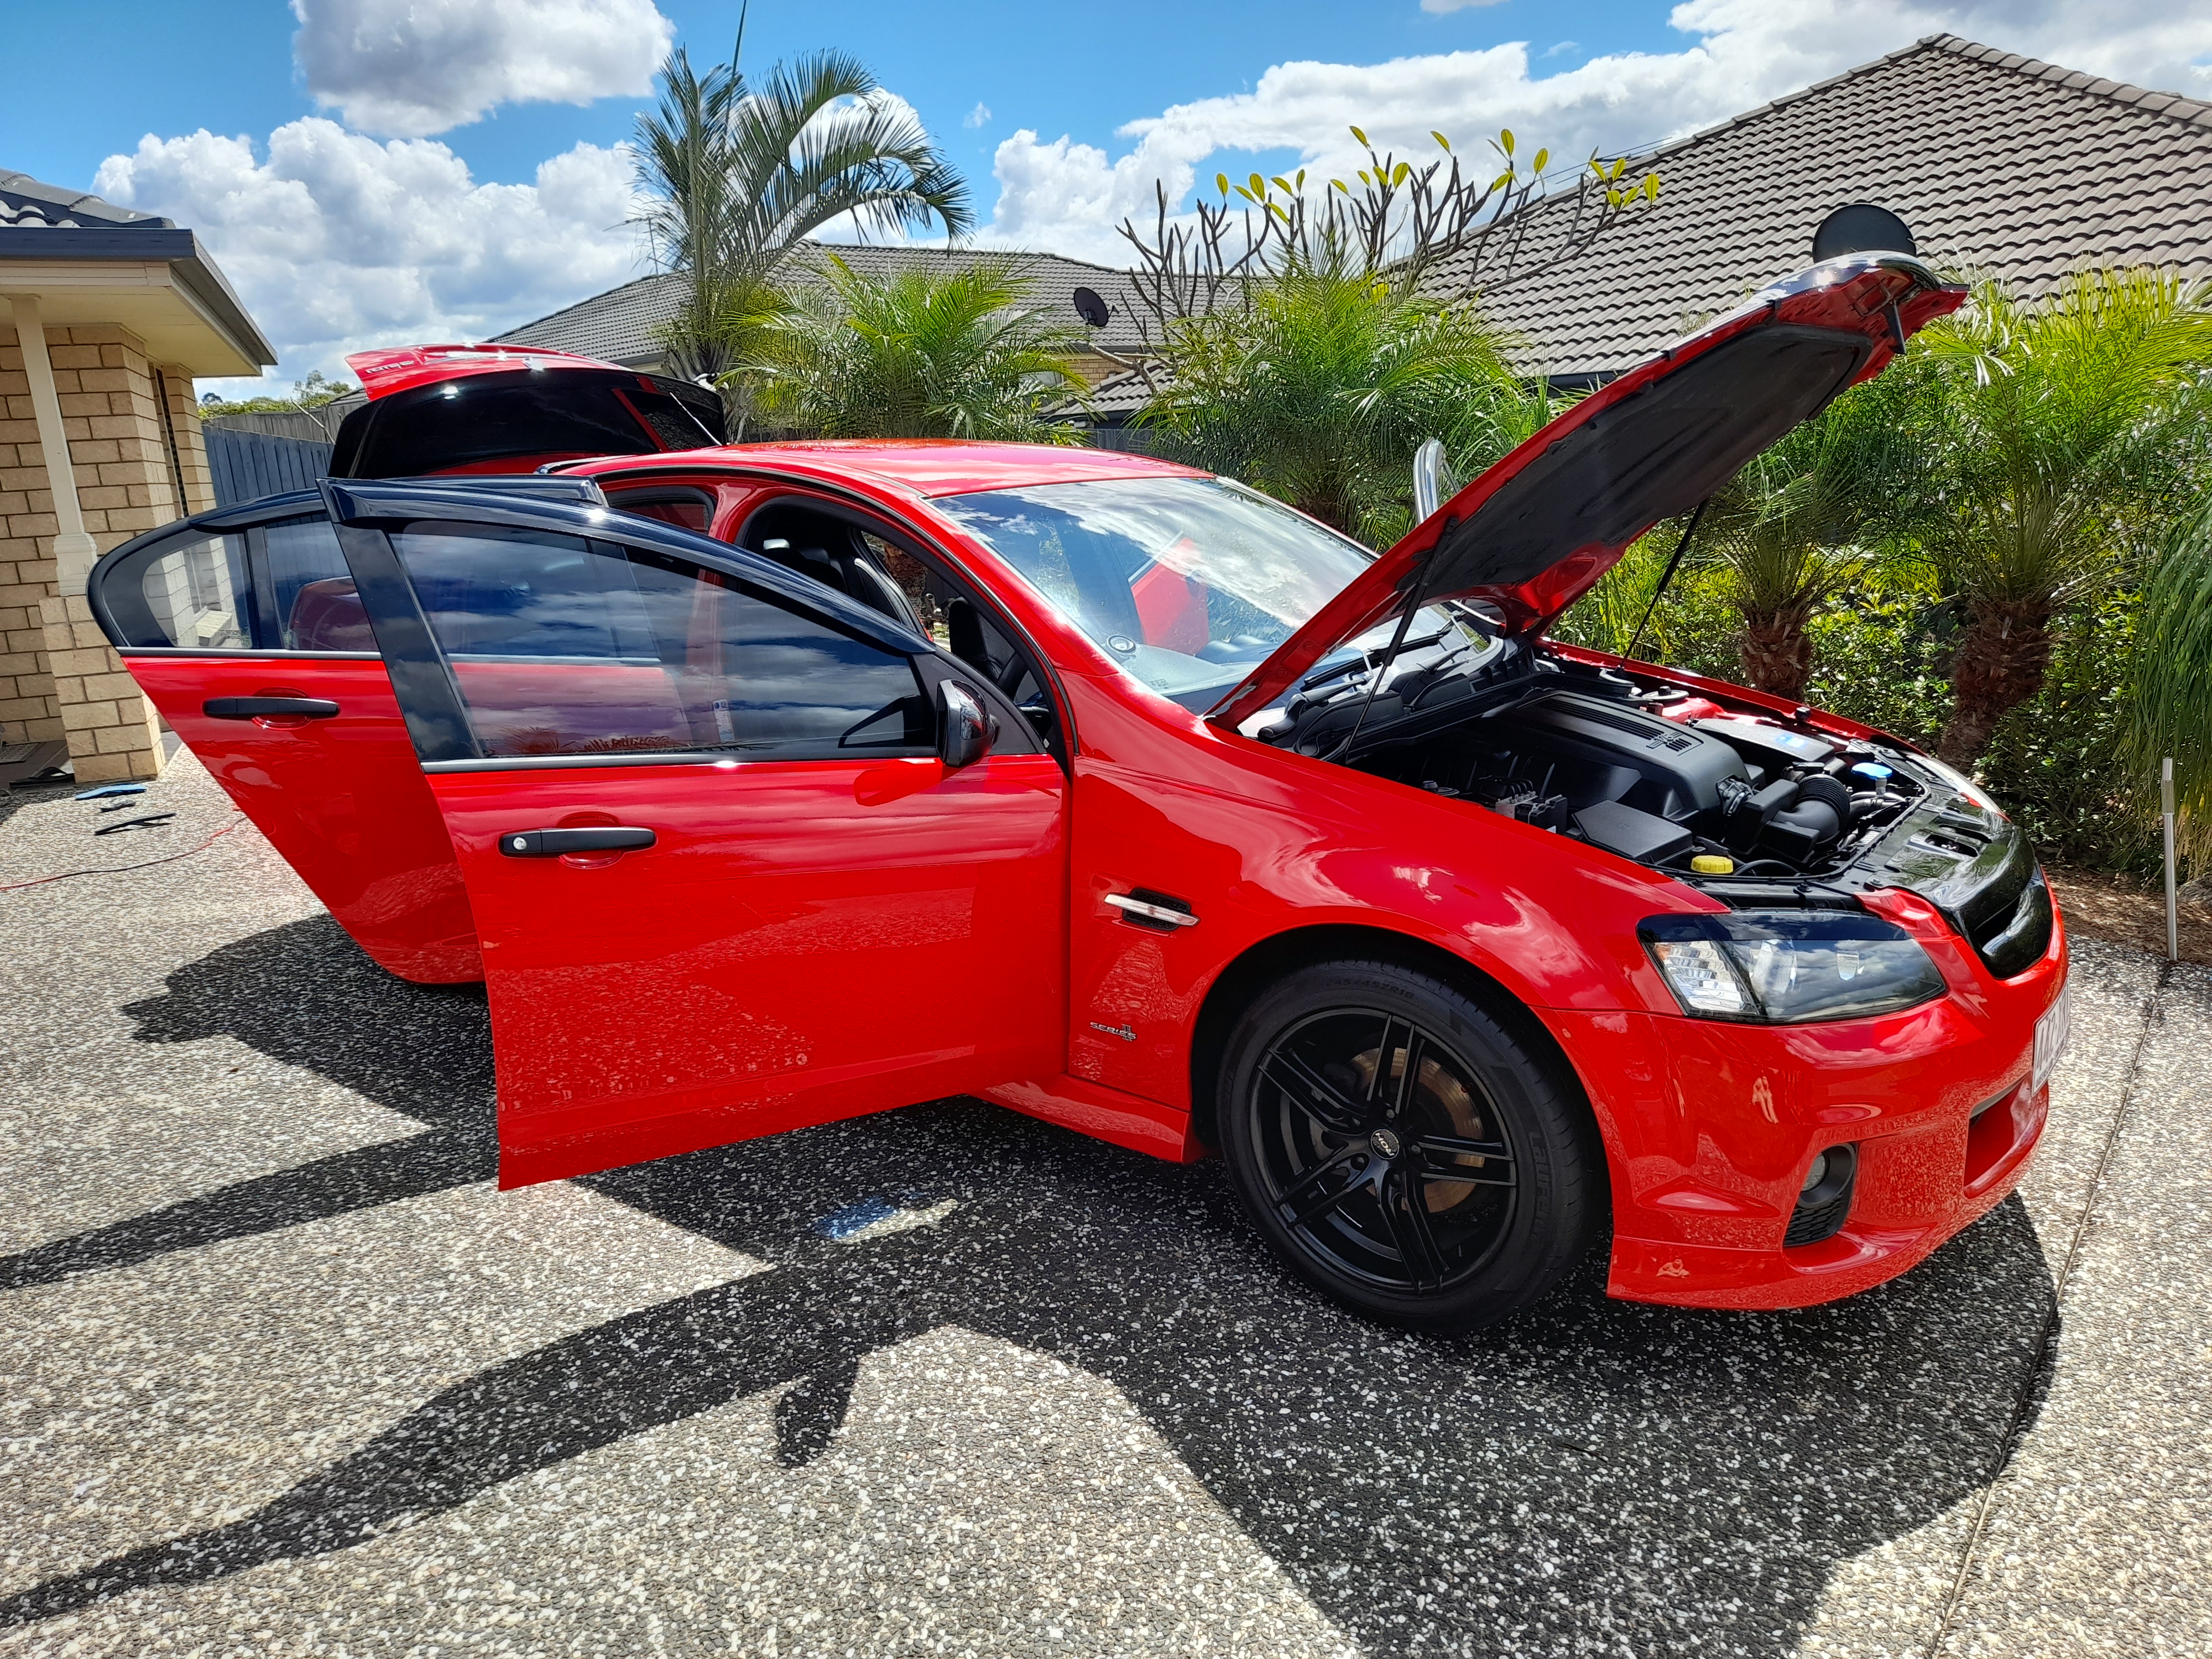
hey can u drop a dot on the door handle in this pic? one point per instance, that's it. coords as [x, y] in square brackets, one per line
[259, 708]
[554, 843]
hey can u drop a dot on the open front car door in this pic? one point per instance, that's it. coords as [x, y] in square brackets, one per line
[736, 862]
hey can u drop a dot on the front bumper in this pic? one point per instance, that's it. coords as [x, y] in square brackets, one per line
[1710, 1128]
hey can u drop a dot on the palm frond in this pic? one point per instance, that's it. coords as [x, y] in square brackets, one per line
[736, 174]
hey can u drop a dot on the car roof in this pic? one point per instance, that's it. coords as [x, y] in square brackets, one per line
[924, 466]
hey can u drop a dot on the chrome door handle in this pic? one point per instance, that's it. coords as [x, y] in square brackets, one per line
[1160, 915]
[555, 843]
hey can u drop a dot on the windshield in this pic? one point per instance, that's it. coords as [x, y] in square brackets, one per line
[1188, 583]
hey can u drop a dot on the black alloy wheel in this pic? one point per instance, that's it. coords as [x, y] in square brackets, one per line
[1401, 1150]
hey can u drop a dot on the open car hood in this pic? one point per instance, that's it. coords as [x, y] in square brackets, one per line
[511, 408]
[1535, 532]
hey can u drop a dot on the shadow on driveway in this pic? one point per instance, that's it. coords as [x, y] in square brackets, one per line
[1592, 1473]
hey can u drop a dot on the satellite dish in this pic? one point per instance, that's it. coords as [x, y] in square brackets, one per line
[1861, 227]
[1092, 309]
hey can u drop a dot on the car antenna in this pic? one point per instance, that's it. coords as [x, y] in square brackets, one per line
[1665, 576]
[1397, 640]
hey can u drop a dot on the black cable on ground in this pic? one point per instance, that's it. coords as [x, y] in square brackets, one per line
[117, 869]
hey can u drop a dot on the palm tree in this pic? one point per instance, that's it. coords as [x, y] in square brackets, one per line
[1805, 520]
[1319, 388]
[2063, 429]
[2171, 678]
[737, 173]
[919, 354]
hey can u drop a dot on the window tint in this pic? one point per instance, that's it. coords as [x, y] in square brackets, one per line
[311, 603]
[195, 594]
[567, 647]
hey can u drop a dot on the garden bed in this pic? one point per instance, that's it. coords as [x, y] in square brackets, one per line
[2118, 910]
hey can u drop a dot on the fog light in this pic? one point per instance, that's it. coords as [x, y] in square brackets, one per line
[1817, 1174]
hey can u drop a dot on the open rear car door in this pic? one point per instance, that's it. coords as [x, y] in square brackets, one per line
[244, 629]
[725, 880]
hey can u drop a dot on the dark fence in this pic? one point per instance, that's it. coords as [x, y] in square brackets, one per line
[248, 466]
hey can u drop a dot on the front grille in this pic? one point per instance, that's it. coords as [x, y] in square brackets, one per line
[1996, 898]
[2016, 942]
[1810, 1225]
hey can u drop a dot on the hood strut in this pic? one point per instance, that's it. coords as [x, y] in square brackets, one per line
[1674, 563]
[1397, 642]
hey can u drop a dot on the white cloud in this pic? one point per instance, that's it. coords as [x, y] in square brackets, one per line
[1440, 7]
[978, 117]
[410, 68]
[1069, 197]
[337, 242]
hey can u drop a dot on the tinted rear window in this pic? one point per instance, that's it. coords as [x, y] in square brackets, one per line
[497, 416]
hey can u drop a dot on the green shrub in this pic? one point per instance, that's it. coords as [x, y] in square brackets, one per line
[1883, 655]
[2057, 762]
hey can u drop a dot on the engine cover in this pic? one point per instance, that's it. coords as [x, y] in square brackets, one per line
[1676, 769]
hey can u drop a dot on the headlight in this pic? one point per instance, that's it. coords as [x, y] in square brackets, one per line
[1786, 967]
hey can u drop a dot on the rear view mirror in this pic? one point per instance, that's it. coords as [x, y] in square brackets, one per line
[963, 730]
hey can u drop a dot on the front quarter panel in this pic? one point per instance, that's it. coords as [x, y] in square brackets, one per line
[1261, 844]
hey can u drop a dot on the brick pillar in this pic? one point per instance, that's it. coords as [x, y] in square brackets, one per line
[190, 454]
[27, 528]
[126, 483]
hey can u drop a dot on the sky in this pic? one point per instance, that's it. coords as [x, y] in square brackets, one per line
[387, 172]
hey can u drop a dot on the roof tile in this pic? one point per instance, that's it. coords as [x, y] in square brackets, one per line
[2001, 163]
[624, 325]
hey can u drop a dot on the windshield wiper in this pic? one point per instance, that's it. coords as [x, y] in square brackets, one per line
[1366, 660]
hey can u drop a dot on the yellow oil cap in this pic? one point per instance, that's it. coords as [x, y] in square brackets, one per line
[1712, 864]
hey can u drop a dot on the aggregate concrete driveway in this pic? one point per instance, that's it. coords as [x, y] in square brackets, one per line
[284, 1374]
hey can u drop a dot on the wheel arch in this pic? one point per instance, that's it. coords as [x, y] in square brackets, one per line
[1262, 963]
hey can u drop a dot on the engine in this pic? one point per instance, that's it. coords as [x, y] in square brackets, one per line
[1663, 778]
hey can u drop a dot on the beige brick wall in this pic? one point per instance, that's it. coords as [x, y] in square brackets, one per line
[27, 566]
[58, 677]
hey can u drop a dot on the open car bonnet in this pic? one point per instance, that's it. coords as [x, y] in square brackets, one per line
[1535, 532]
[511, 408]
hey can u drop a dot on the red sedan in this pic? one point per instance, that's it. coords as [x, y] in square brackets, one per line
[773, 784]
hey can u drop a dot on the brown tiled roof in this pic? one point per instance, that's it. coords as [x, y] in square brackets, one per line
[624, 325]
[2000, 165]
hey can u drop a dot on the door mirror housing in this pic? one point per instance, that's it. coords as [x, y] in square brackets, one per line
[965, 732]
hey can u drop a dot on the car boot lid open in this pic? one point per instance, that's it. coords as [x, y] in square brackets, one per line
[1537, 530]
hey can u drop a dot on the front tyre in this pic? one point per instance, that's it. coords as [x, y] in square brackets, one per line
[1402, 1151]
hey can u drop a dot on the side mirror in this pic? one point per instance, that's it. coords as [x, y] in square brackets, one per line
[963, 730]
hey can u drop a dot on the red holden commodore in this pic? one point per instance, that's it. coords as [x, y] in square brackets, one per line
[772, 784]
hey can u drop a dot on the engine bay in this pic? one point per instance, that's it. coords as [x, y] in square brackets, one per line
[1666, 782]
[1643, 768]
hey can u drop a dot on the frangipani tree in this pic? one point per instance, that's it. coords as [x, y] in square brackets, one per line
[1308, 342]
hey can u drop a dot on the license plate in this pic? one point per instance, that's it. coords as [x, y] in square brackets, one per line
[2050, 1034]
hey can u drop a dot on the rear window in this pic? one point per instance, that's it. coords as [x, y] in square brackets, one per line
[491, 417]
[192, 593]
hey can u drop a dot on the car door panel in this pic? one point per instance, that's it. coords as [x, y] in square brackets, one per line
[804, 941]
[261, 602]
[343, 799]
[809, 915]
